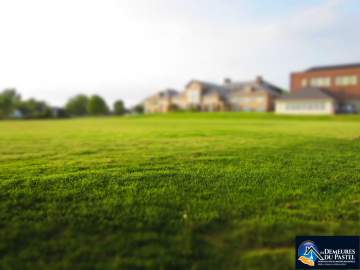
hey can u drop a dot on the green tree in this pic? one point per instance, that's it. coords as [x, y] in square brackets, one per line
[97, 106]
[8, 102]
[77, 105]
[33, 108]
[119, 108]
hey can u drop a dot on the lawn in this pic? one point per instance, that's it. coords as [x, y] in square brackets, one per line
[178, 191]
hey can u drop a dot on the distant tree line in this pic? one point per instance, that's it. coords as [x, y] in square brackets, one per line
[13, 106]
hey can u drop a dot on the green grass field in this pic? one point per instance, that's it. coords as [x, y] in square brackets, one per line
[181, 191]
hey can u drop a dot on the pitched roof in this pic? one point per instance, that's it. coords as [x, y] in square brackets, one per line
[228, 88]
[210, 88]
[309, 93]
[168, 93]
[258, 84]
[344, 66]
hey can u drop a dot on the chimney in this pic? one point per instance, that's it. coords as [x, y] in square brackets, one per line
[227, 81]
[259, 79]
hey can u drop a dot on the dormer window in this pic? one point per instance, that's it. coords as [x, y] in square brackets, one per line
[250, 89]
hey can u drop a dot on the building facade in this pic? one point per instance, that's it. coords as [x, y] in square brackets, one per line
[256, 95]
[307, 101]
[342, 81]
[160, 102]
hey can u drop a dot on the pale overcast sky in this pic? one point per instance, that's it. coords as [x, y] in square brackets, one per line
[128, 49]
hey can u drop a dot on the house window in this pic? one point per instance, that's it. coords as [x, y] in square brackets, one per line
[194, 97]
[251, 99]
[320, 82]
[305, 106]
[346, 80]
[304, 82]
[260, 99]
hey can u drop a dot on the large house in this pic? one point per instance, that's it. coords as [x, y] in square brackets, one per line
[257, 95]
[162, 101]
[323, 90]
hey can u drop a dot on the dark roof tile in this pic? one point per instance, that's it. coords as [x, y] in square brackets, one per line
[344, 66]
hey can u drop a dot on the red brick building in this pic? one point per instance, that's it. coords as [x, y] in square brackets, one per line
[342, 81]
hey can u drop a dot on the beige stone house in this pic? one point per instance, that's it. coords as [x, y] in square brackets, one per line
[202, 96]
[257, 95]
[161, 102]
